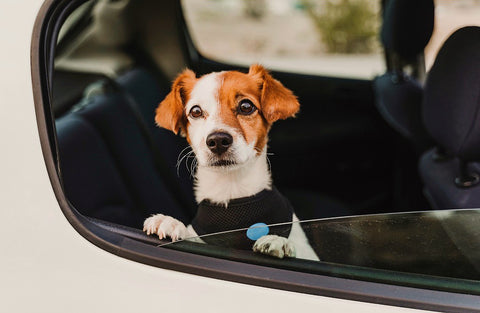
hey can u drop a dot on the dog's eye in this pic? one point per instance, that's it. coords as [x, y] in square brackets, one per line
[196, 112]
[246, 107]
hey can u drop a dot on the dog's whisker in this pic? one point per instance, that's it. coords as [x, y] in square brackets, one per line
[185, 157]
[195, 163]
[191, 159]
[183, 150]
[269, 164]
[266, 155]
[181, 157]
[180, 161]
[193, 166]
[190, 162]
[260, 151]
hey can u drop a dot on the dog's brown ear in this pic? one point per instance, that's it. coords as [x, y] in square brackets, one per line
[170, 112]
[276, 101]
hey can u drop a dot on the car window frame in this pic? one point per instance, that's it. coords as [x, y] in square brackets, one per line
[136, 246]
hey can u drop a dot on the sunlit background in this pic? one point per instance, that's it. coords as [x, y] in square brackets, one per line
[330, 37]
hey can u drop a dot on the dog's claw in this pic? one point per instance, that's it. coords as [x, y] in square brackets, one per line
[274, 245]
[164, 226]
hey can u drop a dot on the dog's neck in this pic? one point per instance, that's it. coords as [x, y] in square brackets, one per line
[222, 185]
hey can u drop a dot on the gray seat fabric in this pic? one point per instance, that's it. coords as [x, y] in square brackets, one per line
[451, 113]
[406, 29]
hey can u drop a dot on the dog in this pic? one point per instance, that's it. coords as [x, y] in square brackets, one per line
[225, 117]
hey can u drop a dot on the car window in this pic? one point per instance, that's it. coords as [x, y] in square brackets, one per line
[450, 16]
[107, 158]
[440, 244]
[333, 38]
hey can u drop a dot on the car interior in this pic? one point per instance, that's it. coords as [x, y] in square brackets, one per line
[403, 141]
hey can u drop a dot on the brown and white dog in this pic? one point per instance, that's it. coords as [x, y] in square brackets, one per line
[225, 117]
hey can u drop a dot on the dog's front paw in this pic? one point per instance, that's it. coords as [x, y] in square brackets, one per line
[274, 245]
[165, 226]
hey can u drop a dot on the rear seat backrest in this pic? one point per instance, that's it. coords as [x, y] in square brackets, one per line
[110, 115]
[451, 112]
[143, 87]
[108, 121]
[406, 29]
[91, 180]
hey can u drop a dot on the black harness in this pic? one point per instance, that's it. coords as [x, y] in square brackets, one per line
[267, 206]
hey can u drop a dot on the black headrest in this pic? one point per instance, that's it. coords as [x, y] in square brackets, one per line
[399, 101]
[407, 26]
[451, 109]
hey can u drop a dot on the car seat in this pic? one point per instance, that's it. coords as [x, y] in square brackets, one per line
[451, 112]
[107, 160]
[406, 29]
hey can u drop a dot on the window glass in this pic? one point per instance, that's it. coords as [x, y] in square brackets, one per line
[440, 244]
[335, 38]
[450, 15]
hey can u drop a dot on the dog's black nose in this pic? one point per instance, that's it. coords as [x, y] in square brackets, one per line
[219, 142]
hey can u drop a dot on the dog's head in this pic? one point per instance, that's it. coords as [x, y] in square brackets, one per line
[226, 116]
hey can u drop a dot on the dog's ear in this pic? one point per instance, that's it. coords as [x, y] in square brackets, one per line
[170, 112]
[276, 101]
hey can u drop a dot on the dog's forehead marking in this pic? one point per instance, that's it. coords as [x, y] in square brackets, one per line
[205, 93]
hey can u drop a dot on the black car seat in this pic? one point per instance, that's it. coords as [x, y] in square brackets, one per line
[145, 93]
[406, 29]
[90, 177]
[451, 113]
[107, 162]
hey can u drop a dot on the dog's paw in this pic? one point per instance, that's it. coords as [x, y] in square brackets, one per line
[274, 245]
[165, 226]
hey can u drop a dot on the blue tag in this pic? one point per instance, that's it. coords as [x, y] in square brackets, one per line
[257, 230]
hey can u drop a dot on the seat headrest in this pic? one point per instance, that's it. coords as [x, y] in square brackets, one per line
[399, 101]
[407, 26]
[451, 109]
